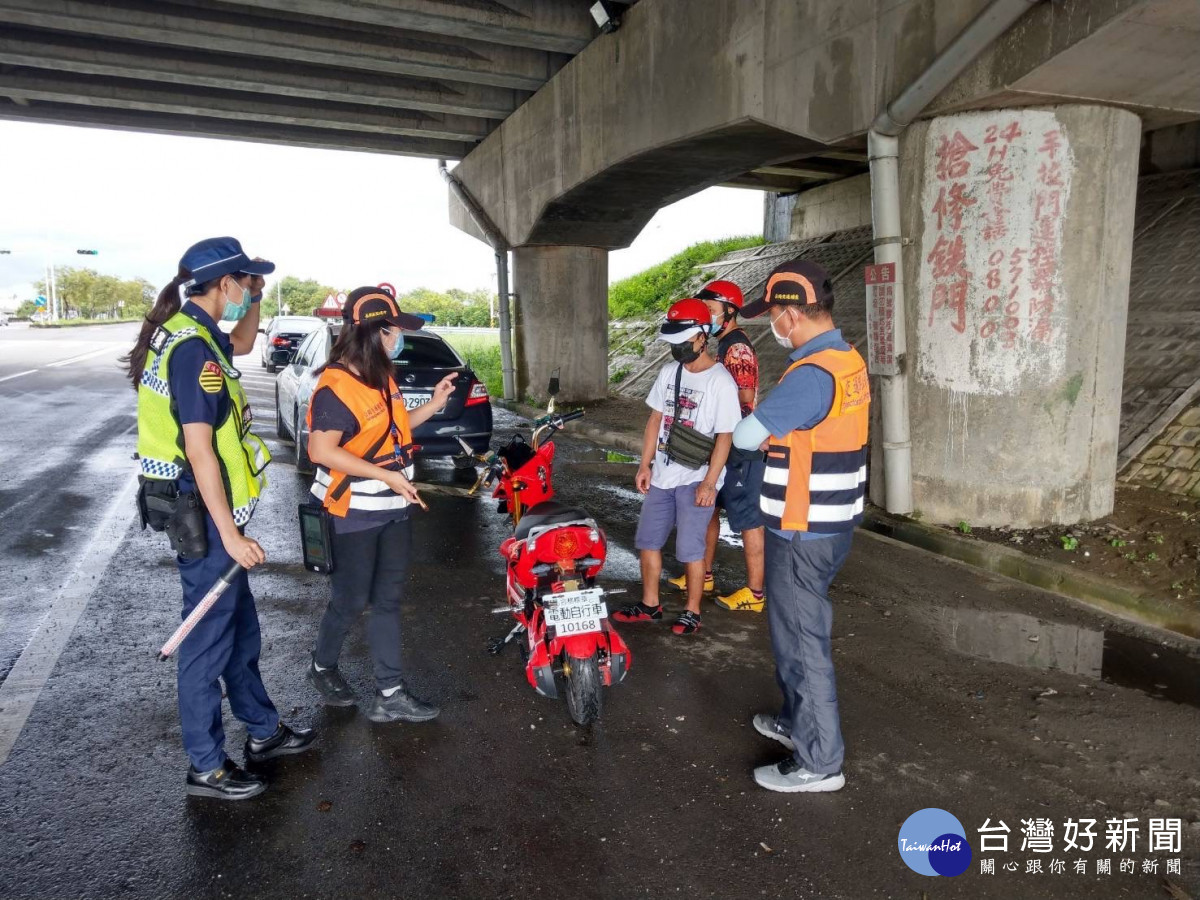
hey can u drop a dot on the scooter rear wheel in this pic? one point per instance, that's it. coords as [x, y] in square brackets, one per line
[583, 688]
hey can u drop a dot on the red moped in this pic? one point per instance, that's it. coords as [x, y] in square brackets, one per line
[552, 560]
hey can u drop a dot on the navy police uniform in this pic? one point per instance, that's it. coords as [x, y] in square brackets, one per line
[225, 644]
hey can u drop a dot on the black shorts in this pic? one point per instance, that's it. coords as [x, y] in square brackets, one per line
[739, 497]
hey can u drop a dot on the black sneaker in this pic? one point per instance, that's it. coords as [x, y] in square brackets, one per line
[226, 782]
[330, 685]
[401, 706]
[284, 742]
[638, 612]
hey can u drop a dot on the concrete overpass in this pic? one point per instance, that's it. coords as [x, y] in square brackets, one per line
[570, 141]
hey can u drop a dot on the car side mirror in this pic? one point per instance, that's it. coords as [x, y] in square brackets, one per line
[281, 357]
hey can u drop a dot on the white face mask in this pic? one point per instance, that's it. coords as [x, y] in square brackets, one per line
[781, 339]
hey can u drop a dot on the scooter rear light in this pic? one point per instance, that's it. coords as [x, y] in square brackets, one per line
[566, 545]
[478, 394]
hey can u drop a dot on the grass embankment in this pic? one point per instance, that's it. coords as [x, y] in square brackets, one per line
[650, 292]
[482, 353]
[80, 323]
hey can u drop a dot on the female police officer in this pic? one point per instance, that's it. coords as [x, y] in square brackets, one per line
[194, 439]
[360, 430]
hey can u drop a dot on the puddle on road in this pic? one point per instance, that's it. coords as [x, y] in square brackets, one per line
[1029, 642]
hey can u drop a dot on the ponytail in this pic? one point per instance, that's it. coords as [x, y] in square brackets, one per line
[164, 307]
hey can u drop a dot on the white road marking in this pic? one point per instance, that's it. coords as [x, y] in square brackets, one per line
[63, 362]
[80, 358]
[28, 677]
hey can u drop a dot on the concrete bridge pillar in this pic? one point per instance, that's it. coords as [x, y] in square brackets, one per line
[1017, 274]
[561, 321]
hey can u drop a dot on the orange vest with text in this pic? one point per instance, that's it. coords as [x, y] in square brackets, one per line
[338, 492]
[815, 479]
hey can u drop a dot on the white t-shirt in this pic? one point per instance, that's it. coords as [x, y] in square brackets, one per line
[710, 405]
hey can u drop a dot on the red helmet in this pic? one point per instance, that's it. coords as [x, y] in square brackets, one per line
[685, 319]
[725, 291]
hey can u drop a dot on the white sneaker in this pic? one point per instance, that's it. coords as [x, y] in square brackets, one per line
[768, 726]
[790, 777]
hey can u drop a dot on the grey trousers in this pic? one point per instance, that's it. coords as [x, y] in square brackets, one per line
[370, 571]
[801, 620]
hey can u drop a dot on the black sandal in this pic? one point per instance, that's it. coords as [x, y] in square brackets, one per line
[687, 623]
[638, 612]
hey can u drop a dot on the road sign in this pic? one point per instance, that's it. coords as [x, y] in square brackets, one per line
[331, 303]
[881, 334]
[39, 301]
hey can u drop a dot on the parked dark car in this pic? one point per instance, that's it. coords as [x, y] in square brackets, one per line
[285, 333]
[425, 360]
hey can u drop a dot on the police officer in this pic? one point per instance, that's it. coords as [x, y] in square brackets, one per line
[196, 448]
[814, 429]
[744, 470]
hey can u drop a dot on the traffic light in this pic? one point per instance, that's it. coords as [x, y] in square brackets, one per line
[88, 252]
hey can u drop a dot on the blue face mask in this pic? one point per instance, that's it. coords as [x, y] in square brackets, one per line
[235, 311]
[395, 352]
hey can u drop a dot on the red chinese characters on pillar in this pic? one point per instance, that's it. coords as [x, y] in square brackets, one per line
[948, 258]
[1044, 253]
[1001, 308]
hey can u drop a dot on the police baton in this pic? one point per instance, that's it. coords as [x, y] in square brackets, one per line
[214, 594]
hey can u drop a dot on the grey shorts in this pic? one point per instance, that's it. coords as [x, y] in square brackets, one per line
[663, 510]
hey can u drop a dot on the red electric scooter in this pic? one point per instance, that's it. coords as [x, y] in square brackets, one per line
[552, 560]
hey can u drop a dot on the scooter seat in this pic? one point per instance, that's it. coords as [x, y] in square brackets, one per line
[551, 512]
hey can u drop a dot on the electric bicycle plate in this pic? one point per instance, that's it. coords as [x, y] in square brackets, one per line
[575, 612]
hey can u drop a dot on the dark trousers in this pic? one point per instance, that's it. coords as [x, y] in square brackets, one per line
[370, 570]
[225, 644]
[800, 617]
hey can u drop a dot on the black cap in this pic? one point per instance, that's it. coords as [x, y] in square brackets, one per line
[375, 306]
[795, 283]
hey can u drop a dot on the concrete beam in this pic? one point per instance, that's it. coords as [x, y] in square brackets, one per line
[230, 129]
[263, 75]
[560, 26]
[114, 93]
[377, 50]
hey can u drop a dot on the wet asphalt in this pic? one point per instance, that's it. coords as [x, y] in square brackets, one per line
[958, 690]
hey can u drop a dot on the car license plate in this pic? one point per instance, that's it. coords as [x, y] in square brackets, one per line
[412, 401]
[575, 612]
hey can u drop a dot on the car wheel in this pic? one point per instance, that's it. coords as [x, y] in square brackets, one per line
[304, 465]
[280, 429]
[270, 367]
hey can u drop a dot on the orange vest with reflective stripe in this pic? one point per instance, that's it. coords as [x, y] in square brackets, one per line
[815, 480]
[339, 492]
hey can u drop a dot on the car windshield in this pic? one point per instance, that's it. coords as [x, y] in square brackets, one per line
[433, 352]
[294, 324]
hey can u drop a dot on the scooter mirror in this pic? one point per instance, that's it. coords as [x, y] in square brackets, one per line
[552, 390]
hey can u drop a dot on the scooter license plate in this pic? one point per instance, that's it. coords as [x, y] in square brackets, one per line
[575, 612]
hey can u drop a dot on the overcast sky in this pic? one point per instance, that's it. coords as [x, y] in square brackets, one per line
[341, 218]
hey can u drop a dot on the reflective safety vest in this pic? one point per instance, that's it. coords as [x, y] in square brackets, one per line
[242, 456]
[815, 479]
[338, 492]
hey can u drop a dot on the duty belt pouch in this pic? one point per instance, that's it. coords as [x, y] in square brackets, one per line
[686, 445]
[186, 530]
[316, 538]
[156, 502]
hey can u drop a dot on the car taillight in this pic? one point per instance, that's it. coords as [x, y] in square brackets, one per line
[479, 394]
[280, 341]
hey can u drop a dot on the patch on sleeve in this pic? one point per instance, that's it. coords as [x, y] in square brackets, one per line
[212, 379]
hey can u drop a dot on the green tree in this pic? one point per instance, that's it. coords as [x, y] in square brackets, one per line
[300, 297]
[86, 294]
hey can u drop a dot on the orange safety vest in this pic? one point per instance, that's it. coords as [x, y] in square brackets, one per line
[338, 492]
[815, 479]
